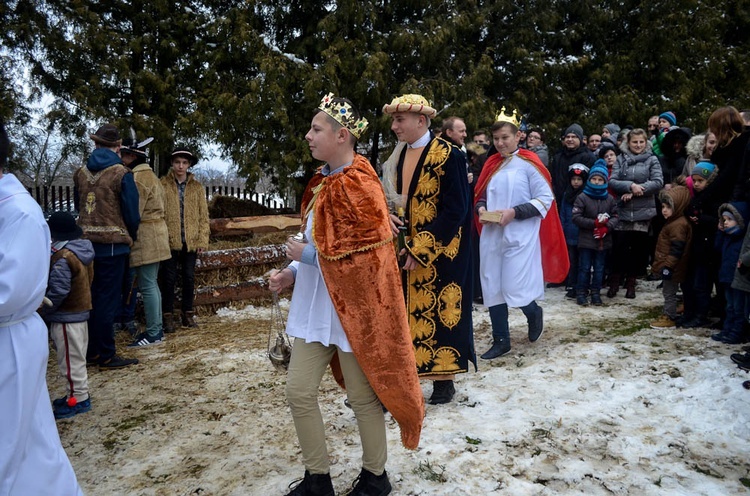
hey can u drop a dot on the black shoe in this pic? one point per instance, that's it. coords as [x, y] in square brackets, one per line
[571, 293]
[442, 392]
[92, 361]
[313, 485]
[498, 349]
[596, 299]
[117, 362]
[536, 325]
[582, 300]
[369, 484]
[695, 322]
[739, 358]
[733, 339]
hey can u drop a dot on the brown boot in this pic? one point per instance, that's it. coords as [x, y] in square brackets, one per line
[630, 288]
[167, 323]
[614, 285]
[188, 319]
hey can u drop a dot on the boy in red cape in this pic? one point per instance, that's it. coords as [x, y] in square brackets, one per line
[347, 308]
[521, 241]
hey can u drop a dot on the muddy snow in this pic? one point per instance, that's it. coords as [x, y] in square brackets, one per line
[601, 405]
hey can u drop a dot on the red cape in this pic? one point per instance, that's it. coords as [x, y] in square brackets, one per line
[555, 262]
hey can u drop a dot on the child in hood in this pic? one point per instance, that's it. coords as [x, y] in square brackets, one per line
[595, 214]
[672, 249]
[732, 227]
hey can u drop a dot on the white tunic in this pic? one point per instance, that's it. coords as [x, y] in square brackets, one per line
[32, 460]
[510, 260]
[312, 316]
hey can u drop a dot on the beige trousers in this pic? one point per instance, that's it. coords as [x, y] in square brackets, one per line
[71, 341]
[308, 364]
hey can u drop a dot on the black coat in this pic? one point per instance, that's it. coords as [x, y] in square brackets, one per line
[563, 159]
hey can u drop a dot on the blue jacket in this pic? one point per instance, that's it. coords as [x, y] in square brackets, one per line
[570, 229]
[730, 245]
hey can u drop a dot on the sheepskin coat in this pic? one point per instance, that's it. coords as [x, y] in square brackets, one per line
[196, 225]
[152, 244]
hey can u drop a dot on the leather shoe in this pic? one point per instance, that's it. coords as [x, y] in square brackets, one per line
[442, 392]
[498, 349]
[536, 325]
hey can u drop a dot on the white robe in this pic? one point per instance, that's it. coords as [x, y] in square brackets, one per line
[32, 459]
[510, 257]
[312, 316]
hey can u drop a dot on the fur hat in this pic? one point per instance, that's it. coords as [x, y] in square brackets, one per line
[574, 129]
[669, 116]
[410, 103]
[578, 170]
[107, 135]
[63, 227]
[606, 146]
[703, 169]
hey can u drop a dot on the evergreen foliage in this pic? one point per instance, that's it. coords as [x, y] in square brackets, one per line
[247, 75]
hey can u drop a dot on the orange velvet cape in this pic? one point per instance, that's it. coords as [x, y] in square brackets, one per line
[555, 262]
[353, 237]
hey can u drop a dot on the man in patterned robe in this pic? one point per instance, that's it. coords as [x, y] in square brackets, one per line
[426, 176]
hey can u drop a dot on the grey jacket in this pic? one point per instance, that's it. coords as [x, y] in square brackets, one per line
[643, 169]
[59, 284]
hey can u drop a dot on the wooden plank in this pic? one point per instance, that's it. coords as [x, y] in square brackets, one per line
[239, 257]
[237, 226]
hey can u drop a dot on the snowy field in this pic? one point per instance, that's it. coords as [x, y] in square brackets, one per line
[601, 405]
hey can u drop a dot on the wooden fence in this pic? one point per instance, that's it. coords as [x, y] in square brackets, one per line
[61, 197]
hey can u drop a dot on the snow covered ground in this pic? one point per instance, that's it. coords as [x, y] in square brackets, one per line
[601, 405]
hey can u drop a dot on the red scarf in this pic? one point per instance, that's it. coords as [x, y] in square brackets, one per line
[555, 262]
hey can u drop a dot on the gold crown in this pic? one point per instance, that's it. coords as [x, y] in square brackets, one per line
[343, 114]
[514, 118]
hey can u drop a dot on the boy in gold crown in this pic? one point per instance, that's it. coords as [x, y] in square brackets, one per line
[427, 177]
[516, 208]
[347, 309]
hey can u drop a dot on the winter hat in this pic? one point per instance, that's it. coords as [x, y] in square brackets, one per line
[728, 214]
[574, 129]
[613, 129]
[63, 227]
[703, 169]
[107, 135]
[606, 146]
[597, 191]
[181, 151]
[578, 170]
[669, 116]
[131, 145]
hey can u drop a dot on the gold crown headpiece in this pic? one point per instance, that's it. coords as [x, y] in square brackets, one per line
[514, 118]
[343, 114]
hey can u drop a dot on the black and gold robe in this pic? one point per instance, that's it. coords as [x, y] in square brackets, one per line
[439, 291]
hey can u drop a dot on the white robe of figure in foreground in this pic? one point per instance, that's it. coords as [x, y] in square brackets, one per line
[510, 257]
[32, 460]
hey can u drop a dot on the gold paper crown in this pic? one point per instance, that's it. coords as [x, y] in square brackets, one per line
[514, 118]
[343, 114]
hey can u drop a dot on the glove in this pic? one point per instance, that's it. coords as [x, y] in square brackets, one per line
[603, 218]
[600, 232]
[666, 273]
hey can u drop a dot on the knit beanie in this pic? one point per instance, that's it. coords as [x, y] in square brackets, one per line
[613, 129]
[606, 146]
[728, 214]
[574, 129]
[703, 169]
[578, 170]
[669, 116]
[598, 191]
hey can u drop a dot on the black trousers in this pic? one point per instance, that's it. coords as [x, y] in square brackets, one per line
[185, 261]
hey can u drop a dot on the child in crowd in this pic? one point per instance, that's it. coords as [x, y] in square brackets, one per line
[595, 213]
[741, 282]
[732, 218]
[69, 290]
[578, 174]
[667, 120]
[701, 262]
[672, 248]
